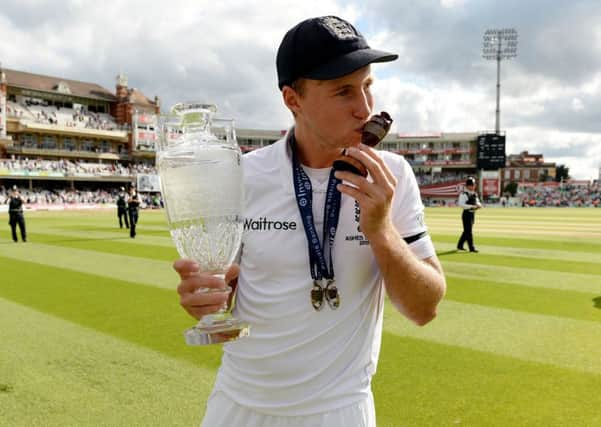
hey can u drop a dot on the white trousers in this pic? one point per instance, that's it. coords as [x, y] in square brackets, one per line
[223, 412]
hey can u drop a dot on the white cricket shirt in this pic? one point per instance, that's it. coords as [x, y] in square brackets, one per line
[298, 361]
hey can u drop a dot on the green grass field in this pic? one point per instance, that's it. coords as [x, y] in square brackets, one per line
[91, 328]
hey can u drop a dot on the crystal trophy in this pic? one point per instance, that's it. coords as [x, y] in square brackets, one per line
[198, 160]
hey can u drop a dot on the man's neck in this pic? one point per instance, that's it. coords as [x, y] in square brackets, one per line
[313, 154]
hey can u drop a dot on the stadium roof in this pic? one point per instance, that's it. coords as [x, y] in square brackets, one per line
[138, 98]
[50, 84]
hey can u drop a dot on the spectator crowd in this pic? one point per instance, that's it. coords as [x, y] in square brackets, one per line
[70, 196]
[43, 196]
[75, 168]
[566, 195]
[41, 112]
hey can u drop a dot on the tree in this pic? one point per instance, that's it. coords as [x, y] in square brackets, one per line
[562, 173]
[511, 188]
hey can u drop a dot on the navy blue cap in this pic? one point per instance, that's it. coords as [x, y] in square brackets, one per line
[324, 48]
[470, 181]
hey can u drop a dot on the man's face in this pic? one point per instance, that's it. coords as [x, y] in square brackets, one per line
[333, 112]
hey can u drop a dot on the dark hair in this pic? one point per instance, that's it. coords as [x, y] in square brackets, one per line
[470, 181]
[298, 86]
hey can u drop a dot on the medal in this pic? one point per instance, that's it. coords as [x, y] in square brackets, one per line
[329, 293]
[317, 296]
[320, 258]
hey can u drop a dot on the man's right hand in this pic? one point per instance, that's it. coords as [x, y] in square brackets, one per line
[193, 298]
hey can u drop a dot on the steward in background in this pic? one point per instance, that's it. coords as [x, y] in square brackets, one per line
[468, 200]
[133, 206]
[122, 209]
[15, 215]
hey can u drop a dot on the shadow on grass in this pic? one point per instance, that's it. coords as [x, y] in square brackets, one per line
[95, 239]
[597, 302]
[78, 240]
[446, 253]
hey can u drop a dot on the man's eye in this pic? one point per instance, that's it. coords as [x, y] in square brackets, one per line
[343, 92]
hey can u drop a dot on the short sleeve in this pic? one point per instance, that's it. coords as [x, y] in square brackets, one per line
[408, 209]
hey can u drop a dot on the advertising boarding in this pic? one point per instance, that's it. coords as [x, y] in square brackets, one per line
[144, 131]
[148, 183]
[2, 115]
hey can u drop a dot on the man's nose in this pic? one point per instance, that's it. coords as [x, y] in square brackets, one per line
[363, 106]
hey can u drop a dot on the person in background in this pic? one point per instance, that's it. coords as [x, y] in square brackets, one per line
[311, 284]
[122, 208]
[16, 216]
[133, 206]
[468, 201]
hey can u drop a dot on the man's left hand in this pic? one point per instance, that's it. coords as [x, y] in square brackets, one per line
[374, 193]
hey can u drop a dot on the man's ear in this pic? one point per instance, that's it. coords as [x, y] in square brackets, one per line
[291, 98]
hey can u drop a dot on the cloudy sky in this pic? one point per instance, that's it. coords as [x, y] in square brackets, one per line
[224, 52]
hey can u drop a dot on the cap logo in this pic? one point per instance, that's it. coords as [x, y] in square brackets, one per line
[340, 29]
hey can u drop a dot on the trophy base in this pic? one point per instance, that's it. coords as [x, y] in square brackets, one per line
[216, 331]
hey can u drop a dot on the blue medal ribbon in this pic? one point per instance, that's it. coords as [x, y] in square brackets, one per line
[320, 259]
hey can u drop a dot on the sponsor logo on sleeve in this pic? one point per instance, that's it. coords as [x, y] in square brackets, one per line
[420, 219]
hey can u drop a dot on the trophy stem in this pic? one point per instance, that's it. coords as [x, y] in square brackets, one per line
[218, 327]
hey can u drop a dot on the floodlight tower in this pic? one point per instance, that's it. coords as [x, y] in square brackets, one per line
[499, 44]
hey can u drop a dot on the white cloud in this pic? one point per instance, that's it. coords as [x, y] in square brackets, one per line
[224, 52]
[449, 4]
[577, 104]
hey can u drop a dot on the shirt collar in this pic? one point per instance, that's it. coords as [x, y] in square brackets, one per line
[285, 162]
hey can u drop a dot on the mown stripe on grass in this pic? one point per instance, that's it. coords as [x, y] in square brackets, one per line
[575, 282]
[553, 302]
[481, 258]
[525, 233]
[93, 215]
[537, 215]
[558, 341]
[140, 314]
[144, 229]
[516, 241]
[519, 226]
[427, 384]
[589, 244]
[115, 246]
[486, 216]
[121, 267]
[528, 253]
[120, 235]
[99, 220]
[551, 214]
[56, 373]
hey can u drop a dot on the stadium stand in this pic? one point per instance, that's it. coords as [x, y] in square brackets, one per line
[68, 141]
[69, 138]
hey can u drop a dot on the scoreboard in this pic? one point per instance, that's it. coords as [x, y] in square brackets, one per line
[491, 151]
